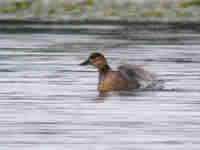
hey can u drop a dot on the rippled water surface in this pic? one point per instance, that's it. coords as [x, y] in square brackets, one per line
[48, 101]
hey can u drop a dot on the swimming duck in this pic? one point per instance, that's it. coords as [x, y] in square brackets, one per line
[126, 77]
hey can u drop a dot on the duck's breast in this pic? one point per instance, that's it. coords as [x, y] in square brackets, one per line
[112, 81]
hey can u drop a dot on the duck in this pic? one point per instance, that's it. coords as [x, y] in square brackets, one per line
[124, 78]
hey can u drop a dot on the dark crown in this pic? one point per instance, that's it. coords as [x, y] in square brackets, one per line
[95, 55]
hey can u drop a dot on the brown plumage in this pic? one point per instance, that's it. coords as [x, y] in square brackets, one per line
[126, 77]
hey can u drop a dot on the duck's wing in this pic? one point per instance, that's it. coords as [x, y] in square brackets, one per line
[135, 72]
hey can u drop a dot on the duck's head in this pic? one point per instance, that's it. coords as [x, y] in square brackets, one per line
[97, 60]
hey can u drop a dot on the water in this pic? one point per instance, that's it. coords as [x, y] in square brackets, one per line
[48, 101]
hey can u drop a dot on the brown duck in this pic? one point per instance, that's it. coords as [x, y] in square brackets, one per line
[126, 77]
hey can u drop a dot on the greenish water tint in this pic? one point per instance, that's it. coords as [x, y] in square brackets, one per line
[189, 3]
[48, 101]
[59, 10]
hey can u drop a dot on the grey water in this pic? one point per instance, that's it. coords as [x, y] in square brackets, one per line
[48, 101]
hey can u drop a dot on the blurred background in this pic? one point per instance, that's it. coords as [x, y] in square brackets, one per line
[49, 102]
[129, 10]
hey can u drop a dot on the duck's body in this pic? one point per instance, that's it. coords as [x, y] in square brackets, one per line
[126, 77]
[114, 81]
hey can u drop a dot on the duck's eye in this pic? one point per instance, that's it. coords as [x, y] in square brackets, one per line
[95, 55]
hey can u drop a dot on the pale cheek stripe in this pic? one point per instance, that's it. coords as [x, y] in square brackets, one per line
[100, 64]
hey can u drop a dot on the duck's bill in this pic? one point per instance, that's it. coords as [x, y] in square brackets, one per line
[87, 62]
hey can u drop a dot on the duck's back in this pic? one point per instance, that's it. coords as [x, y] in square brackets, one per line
[136, 73]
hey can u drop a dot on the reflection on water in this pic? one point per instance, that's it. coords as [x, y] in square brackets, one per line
[48, 101]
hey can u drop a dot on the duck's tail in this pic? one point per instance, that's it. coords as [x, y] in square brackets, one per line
[136, 72]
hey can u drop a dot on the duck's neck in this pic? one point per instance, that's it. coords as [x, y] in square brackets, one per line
[102, 72]
[105, 69]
